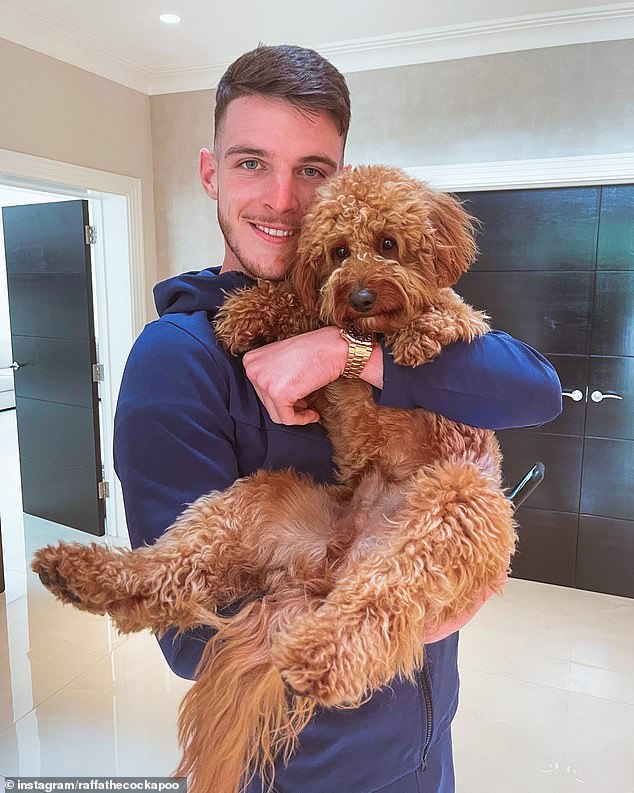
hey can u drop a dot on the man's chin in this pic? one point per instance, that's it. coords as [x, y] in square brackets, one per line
[275, 271]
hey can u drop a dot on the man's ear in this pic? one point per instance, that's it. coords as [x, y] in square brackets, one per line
[208, 169]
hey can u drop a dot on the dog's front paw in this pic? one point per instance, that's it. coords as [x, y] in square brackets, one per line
[317, 667]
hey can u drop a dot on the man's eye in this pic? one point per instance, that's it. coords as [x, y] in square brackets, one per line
[388, 244]
[250, 165]
[312, 172]
[341, 253]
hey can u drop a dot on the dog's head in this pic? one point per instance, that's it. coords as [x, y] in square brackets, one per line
[375, 248]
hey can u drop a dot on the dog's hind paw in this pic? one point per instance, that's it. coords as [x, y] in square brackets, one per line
[318, 670]
[71, 571]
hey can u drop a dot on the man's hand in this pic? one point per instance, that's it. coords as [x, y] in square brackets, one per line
[286, 372]
[447, 628]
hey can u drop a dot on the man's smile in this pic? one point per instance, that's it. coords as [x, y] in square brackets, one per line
[272, 234]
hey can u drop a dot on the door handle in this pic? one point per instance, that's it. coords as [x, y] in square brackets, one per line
[575, 395]
[597, 396]
[15, 366]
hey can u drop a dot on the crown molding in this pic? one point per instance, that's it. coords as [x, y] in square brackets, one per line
[591, 169]
[533, 31]
[70, 45]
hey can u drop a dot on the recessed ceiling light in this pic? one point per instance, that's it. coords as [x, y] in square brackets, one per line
[170, 19]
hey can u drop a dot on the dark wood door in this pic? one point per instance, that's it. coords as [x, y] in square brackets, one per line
[53, 339]
[555, 270]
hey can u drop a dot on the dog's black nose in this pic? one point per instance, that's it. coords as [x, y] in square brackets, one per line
[362, 299]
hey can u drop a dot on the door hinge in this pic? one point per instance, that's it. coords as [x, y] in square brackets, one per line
[97, 373]
[91, 234]
[103, 489]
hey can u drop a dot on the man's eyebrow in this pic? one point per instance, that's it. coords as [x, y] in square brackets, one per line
[322, 158]
[245, 150]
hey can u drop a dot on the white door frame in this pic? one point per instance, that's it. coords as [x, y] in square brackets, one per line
[593, 169]
[124, 310]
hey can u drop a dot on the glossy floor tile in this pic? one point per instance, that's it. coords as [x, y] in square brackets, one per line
[547, 695]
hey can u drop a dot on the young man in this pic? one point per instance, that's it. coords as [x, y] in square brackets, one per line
[192, 419]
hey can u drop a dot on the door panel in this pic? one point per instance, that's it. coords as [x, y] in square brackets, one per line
[550, 229]
[573, 374]
[606, 550]
[613, 321]
[549, 311]
[36, 300]
[611, 418]
[547, 546]
[53, 369]
[561, 454]
[616, 229]
[65, 496]
[52, 332]
[43, 429]
[608, 478]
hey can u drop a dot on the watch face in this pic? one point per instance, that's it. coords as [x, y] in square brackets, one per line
[357, 335]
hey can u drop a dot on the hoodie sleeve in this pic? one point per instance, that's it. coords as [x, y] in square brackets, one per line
[494, 382]
[173, 442]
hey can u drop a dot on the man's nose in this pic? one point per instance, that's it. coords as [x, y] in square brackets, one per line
[282, 195]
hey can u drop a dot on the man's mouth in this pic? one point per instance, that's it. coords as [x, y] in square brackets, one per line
[275, 232]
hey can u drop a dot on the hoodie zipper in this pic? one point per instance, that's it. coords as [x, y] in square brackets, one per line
[429, 712]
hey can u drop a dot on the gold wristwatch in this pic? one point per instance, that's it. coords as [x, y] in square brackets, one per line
[360, 346]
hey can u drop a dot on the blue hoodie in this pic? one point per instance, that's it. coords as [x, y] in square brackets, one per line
[188, 421]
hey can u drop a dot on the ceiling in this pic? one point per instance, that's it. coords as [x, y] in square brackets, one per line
[125, 41]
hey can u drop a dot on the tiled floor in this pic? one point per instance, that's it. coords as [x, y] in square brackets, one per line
[547, 697]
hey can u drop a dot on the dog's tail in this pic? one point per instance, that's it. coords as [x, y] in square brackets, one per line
[238, 718]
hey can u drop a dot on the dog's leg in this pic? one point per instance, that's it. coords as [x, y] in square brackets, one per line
[259, 315]
[448, 320]
[224, 547]
[453, 542]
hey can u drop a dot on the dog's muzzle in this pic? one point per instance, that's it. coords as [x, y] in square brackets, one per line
[362, 300]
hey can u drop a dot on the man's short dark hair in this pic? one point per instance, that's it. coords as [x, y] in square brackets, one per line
[295, 74]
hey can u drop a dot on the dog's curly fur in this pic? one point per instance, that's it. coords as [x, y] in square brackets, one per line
[338, 583]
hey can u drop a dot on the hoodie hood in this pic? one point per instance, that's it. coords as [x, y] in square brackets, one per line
[197, 291]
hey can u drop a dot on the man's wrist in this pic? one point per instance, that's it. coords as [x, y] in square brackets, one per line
[360, 346]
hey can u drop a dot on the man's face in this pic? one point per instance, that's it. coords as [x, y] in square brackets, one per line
[267, 163]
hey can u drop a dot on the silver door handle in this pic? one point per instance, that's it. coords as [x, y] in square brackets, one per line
[575, 395]
[15, 366]
[597, 396]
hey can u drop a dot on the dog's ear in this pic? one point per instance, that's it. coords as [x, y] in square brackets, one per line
[452, 237]
[305, 274]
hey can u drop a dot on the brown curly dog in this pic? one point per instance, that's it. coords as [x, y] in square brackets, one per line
[338, 583]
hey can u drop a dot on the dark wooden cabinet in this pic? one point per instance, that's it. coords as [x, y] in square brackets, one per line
[556, 270]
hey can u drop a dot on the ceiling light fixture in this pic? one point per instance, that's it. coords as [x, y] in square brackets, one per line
[170, 19]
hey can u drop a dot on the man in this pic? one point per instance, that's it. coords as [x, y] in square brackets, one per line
[192, 419]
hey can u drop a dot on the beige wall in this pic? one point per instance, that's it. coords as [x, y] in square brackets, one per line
[540, 103]
[53, 110]
[187, 233]
[555, 102]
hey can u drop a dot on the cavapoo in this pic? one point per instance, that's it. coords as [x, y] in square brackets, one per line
[337, 584]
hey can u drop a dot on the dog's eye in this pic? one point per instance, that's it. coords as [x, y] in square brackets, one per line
[341, 253]
[388, 244]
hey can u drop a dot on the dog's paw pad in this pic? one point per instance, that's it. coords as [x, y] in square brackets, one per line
[45, 578]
